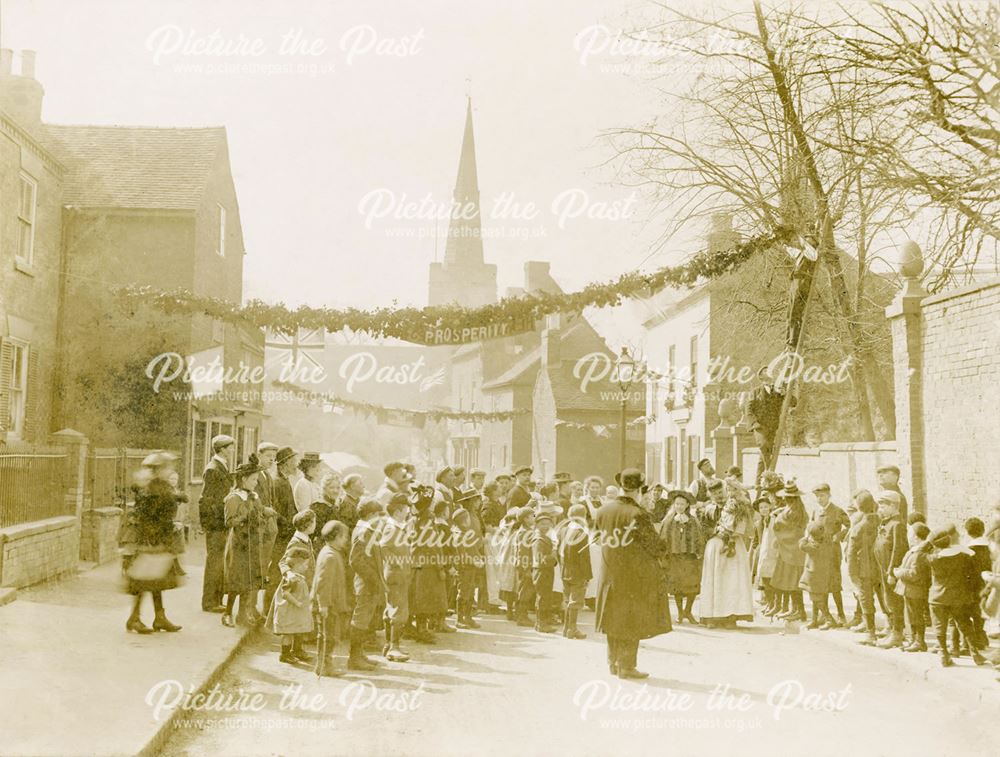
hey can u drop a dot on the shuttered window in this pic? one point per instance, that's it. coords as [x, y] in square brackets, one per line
[26, 219]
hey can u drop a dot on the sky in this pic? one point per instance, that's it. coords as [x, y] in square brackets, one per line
[359, 120]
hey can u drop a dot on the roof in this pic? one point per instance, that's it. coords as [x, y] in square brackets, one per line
[529, 361]
[567, 395]
[135, 166]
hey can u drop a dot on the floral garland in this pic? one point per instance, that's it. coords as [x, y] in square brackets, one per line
[383, 413]
[455, 324]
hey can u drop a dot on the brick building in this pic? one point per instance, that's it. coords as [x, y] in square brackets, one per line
[98, 207]
[30, 257]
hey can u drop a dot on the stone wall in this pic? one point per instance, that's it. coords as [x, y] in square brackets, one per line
[947, 349]
[38, 551]
[846, 467]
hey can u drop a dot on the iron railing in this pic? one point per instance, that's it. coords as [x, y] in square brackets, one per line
[34, 484]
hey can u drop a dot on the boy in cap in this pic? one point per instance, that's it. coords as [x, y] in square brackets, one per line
[524, 586]
[861, 565]
[952, 594]
[913, 583]
[890, 546]
[888, 480]
[468, 561]
[330, 592]
[706, 475]
[397, 565]
[574, 562]
[543, 564]
[836, 524]
[519, 496]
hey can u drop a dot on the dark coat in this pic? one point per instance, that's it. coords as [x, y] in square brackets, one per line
[890, 546]
[366, 561]
[430, 595]
[821, 562]
[518, 497]
[284, 506]
[244, 519]
[574, 553]
[861, 565]
[543, 561]
[217, 483]
[329, 589]
[953, 577]
[632, 600]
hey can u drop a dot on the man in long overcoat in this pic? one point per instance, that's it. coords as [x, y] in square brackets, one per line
[632, 601]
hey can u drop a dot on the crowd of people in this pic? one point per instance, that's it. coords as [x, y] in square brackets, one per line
[320, 561]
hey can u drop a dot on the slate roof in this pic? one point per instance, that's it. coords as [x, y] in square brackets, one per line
[135, 166]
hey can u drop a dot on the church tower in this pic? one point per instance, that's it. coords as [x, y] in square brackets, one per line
[464, 277]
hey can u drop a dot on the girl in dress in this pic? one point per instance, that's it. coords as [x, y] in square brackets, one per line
[292, 608]
[789, 528]
[685, 542]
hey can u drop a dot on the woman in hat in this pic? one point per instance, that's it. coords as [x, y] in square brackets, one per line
[244, 573]
[681, 532]
[726, 590]
[148, 560]
[764, 554]
[789, 528]
[307, 489]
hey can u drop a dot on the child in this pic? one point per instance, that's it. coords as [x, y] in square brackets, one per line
[468, 560]
[816, 577]
[525, 587]
[975, 530]
[861, 566]
[292, 613]
[890, 546]
[329, 592]
[952, 594]
[681, 532]
[543, 564]
[913, 582]
[574, 562]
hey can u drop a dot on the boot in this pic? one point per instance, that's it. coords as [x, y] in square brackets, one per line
[893, 640]
[422, 633]
[828, 621]
[870, 639]
[522, 618]
[977, 657]
[542, 625]
[298, 652]
[680, 607]
[160, 622]
[572, 632]
[286, 655]
[356, 659]
[134, 622]
[395, 654]
[917, 644]
[946, 661]
[815, 621]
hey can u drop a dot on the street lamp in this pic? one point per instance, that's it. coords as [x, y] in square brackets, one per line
[626, 376]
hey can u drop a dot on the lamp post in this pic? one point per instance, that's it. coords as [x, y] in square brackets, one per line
[626, 375]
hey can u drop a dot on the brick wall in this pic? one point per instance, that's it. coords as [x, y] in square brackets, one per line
[38, 551]
[959, 392]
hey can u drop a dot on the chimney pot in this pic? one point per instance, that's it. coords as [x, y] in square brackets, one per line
[28, 64]
[6, 56]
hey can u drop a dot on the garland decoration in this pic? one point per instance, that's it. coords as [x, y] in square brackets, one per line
[455, 324]
[393, 416]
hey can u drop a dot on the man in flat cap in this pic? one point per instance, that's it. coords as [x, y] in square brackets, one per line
[283, 503]
[395, 479]
[706, 475]
[519, 496]
[217, 480]
[632, 601]
[888, 480]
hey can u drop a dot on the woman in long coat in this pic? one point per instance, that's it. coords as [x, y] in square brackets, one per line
[685, 544]
[244, 572]
[632, 599]
[789, 528]
[430, 597]
[148, 541]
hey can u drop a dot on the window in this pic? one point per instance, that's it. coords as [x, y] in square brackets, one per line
[671, 460]
[221, 249]
[246, 443]
[17, 390]
[671, 370]
[694, 361]
[26, 219]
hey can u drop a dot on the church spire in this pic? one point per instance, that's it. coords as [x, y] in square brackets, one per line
[464, 276]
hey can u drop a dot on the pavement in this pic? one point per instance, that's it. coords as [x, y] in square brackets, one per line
[766, 689]
[73, 682]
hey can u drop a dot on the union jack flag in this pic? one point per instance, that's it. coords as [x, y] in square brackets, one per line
[292, 351]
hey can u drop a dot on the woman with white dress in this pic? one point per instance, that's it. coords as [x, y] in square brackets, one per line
[307, 489]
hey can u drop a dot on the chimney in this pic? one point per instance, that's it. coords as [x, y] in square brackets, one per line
[537, 277]
[722, 235]
[21, 95]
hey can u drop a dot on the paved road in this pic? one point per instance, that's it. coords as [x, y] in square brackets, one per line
[507, 690]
